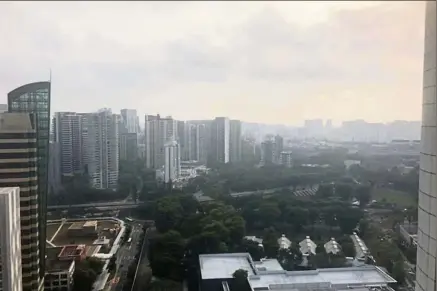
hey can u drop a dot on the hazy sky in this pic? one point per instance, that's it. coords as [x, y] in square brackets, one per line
[271, 62]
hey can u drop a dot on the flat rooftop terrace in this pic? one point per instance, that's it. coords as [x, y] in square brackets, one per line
[224, 265]
[268, 274]
[337, 277]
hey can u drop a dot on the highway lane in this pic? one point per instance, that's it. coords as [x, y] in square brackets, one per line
[125, 256]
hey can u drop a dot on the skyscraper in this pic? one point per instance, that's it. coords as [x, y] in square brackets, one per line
[129, 120]
[128, 146]
[172, 163]
[158, 132]
[235, 141]
[101, 145]
[10, 239]
[268, 152]
[426, 269]
[35, 98]
[279, 148]
[67, 130]
[219, 146]
[18, 168]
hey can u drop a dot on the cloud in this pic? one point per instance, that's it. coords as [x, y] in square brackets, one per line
[274, 62]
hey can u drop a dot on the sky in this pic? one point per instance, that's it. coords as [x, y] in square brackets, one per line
[268, 62]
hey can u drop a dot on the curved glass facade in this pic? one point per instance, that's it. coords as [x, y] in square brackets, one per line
[426, 270]
[35, 98]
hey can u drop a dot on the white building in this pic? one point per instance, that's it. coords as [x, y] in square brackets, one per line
[307, 247]
[286, 159]
[67, 130]
[426, 269]
[216, 270]
[129, 120]
[158, 131]
[332, 247]
[284, 242]
[235, 141]
[172, 164]
[101, 145]
[191, 138]
[220, 135]
[10, 240]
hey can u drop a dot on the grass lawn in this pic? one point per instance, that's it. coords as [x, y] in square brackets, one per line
[399, 198]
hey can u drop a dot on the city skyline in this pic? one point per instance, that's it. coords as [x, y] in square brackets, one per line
[265, 60]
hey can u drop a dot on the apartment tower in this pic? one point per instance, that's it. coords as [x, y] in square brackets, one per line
[101, 144]
[18, 168]
[158, 131]
[426, 269]
[67, 129]
[220, 135]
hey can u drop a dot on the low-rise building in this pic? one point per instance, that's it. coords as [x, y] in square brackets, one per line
[88, 228]
[217, 271]
[72, 252]
[59, 272]
[361, 250]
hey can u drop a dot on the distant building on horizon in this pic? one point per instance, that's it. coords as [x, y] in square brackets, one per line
[235, 141]
[220, 136]
[172, 164]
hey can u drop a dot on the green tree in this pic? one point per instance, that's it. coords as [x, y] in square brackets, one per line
[240, 279]
[363, 195]
[344, 191]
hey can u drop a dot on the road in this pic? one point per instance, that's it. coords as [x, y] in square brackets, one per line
[94, 204]
[125, 256]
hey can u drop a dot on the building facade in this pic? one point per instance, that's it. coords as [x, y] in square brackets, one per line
[19, 168]
[235, 141]
[35, 98]
[426, 269]
[128, 146]
[67, 129]
[220, 135]
[158, 131]
[55, 177]
[101, 145]
[268, 152]
[129, 120]
[286, 159]
[279, 148]
[10, 240]
[172, 165]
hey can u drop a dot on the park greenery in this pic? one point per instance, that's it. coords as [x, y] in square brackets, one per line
[85, 274]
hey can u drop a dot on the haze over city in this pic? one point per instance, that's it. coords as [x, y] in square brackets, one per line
[276, 62]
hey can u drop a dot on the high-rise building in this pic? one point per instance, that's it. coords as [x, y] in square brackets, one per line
[220, 135]
[55, 177]
[128, 146]
[426, 269]
[101, 145]
[19, 168]
[10, 240]
[268, 152]
[279, 148]
[286, 159]
[129, 120]
[158, 132]
[67, 131]
[191, 139]
[172, 163]
[203, 143]
[35, 98]
[235, 141]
